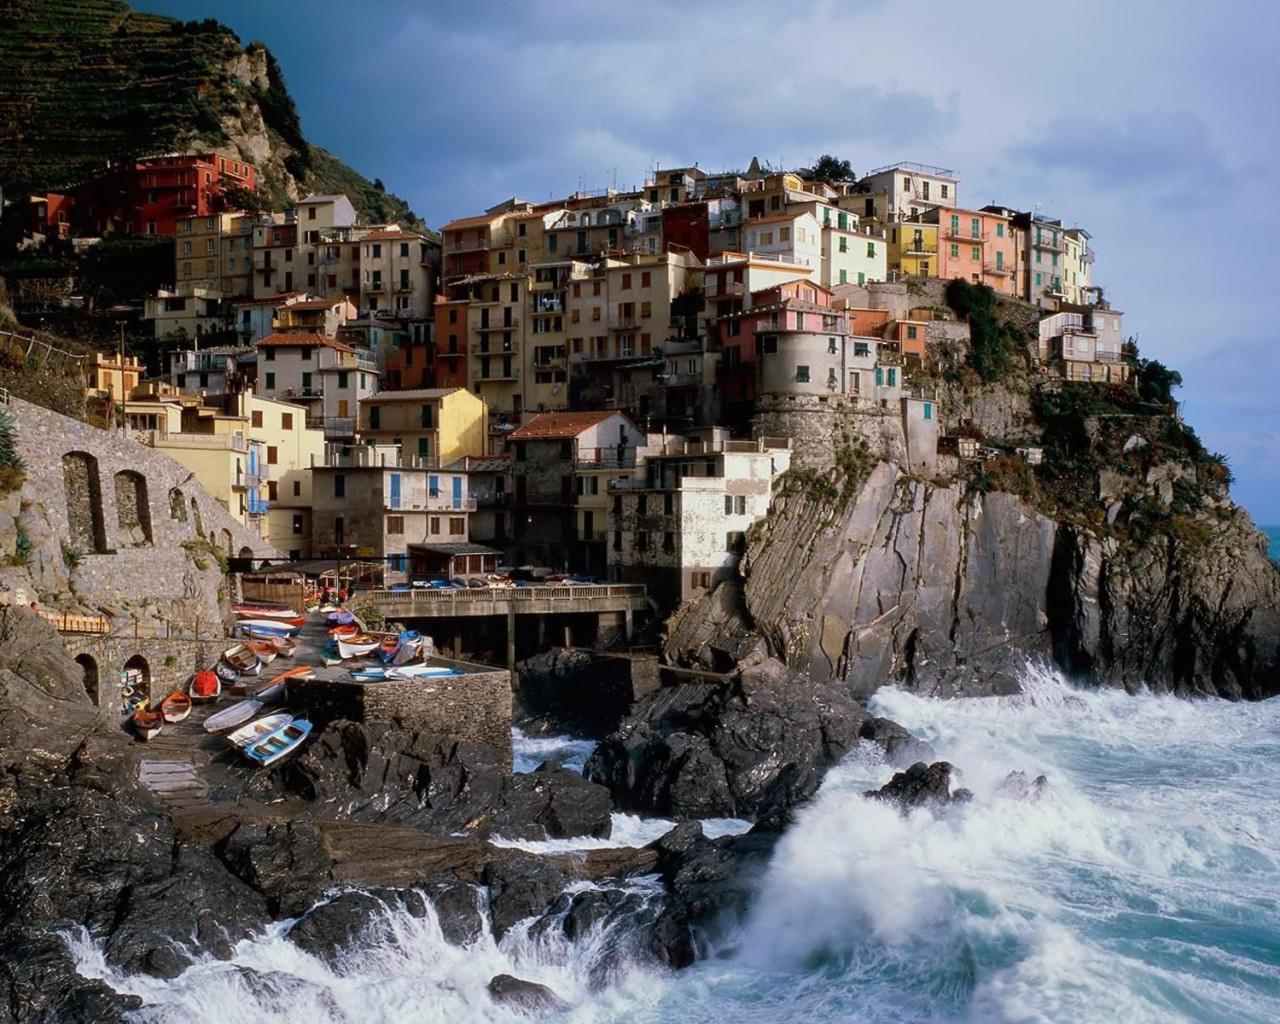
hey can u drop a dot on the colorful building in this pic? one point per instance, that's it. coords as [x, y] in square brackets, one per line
[443, 424]
[913, 248]
[977, 246]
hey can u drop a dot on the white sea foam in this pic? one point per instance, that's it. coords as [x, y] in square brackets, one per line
[1139, 884]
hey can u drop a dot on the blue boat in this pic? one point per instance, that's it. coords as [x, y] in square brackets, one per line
[276, 745]
[260, 629]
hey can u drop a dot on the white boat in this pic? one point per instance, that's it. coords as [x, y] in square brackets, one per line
[256, 730]
[357, 646]
[236, 714]
[265, 629]
[257, 611]
[418, 671]
[241, 659]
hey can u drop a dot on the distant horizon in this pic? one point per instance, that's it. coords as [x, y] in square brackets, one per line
[1152, 164]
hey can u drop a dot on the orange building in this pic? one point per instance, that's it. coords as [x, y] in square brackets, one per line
[977, 246]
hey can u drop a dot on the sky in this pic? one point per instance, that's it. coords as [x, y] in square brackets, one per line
[1151, 124]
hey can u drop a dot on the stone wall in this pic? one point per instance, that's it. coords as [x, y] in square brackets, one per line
[819, 425]
[168, 663]
[123, 512]
[473, 707]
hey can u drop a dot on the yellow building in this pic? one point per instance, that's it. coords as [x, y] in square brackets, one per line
[288, 450]
[1077, 267]
[214, 253]
[107, 375]
[913, 249]
[442, 424]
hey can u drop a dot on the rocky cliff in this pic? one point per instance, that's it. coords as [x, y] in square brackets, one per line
[948, 587]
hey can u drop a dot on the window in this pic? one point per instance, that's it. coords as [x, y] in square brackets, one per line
[297, 488]
[802, 375]
[457, 526]
[844, 244]
[626, 282]
[999, 231]
[273, 455]
[502, 258]
[945, 189]
[271, 381]
[975, 254]
[377, 251]
[893, 377]
[339, 485]
[271, 352]
[728, 504]
[297, 523]
[975, 227]
[928, 410]
[912, 332]
[955, 252]
[342, 378]
[831, 346]
[844, 276]
[645, 278]
[784, 234]
[256, 418]
[924, 190]
[395, 524]
[306, 382]
[734, 541]
[871, 250]
[435, 525]
[862, 278]
[311, 213]
[642, 541]
[520, 253]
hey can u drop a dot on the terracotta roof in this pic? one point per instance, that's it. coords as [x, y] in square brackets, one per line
[471, 222]
[314, 304]
[552, 425]
[381, 236]
[409, 396]
[303, 340]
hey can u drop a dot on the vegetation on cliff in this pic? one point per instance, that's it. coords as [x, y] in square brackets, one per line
[86, 81]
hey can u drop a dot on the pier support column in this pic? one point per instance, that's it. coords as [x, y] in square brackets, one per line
[630, 624]
[511, 637]
[610, 628]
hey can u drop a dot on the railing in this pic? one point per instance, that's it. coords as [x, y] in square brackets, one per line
[544, 592]
[481, 348]
[217, 441]
[906, 165]
[258, 507]
[333, 426]
[997, 269]
[439, 504]
[506, 325]
[94, 624]
[915, 248]
[960, 235]
[1047, 243]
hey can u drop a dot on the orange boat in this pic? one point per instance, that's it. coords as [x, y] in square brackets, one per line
[147, 724]
[175, 707]
[350, 629]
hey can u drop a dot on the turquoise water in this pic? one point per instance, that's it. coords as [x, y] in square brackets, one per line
[1273, 535]
[1140, 884]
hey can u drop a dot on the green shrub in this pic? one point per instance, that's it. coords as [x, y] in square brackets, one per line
[72, 555]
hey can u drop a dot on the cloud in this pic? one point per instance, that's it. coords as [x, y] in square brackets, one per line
[1165, 156]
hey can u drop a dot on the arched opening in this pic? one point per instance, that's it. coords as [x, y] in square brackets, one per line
[177, 505]
[226, 544]
[133, 511]
[195, 516]
[89, 666]
[84, 502]
[246, 552]
[135, 684]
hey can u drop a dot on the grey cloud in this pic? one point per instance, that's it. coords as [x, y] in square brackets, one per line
[1169, 156]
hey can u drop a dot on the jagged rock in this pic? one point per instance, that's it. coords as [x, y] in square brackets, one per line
[900, 747]
[284, 860]
[950, 593]
[520, 887]
[527, 996]
[569, 691]
[756, 746]
[333, 926]
[378, 772]
[921, 785]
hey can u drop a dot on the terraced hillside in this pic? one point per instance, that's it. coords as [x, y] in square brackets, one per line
[84, 81]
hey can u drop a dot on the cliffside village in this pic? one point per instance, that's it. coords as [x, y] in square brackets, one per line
[604, 385]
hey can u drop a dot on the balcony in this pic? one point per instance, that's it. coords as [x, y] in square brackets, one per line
[258, 506]
[914, 248]
[959, 235]
[1047, 244]
[481, 348]
[605, 458]
[452, 354]
[507, 325]
[997, 270]
[333, 426]
[494, 378]
[375, 287]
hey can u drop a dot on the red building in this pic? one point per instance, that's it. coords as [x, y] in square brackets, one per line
[146, 197]
[687, 227]
[451, 342]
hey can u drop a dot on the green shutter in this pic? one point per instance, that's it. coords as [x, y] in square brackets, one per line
[879, 377]
[271, 381]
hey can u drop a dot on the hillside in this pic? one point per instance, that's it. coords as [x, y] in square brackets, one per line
[84, 81]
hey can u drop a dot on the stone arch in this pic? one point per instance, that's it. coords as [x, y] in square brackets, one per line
[137, 674]
[195, 517]
[246, 552]
[177, 505]
[84, 502]
[133, 509]
[89, 666]
[225, 543]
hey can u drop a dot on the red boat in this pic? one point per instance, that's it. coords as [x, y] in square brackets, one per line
[147, 724]
[350, 629]
[205, 687]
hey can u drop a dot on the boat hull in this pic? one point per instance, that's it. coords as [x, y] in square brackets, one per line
[251, 732]
[230, 718]
[284, 741]
[175, 707]
[206, 687]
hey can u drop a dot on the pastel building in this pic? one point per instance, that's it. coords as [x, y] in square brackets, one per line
[441, 424]
[902, 191]
[1085, 343]
[913, 248]
[975, 246]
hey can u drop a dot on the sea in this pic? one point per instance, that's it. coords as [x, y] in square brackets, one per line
[1273, 541]
[1139, 883]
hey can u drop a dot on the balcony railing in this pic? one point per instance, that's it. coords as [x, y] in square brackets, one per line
[258, 506]
[961, 235]
[1047, 243]
[914, 248]
[997, 269]
[481, 348]
[507, 325]
[333, 426]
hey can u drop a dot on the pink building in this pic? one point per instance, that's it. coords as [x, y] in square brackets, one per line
[977, 246]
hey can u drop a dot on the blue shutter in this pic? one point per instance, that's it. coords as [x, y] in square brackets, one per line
[879, 376]
[395, 490]
[928, 411]
[457, 492]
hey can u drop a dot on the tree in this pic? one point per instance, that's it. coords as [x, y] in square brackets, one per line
[1157, 381]
[829, 169]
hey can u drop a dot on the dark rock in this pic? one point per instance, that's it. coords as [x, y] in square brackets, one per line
[382, 773]
[921, 785]
[284, 860]
[567, 691]
[519, 888]
[900, 747]
[759, 745]
[527, 996]
[457, 908]
[333, 926]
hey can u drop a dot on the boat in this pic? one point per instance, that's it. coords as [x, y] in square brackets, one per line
[341, 617]
[147, 724]
[347, 630]
[273, 688]
[330, 655]
[175, 707]
[205, 687]
[258, 611]
[276, 745]
[256, 730]
[286, 646]
[265, 650]
[420, 670]
[230, 717]
[357, 646]
[242, 659]
[387, 649]
[267, 628]
[371, 674]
